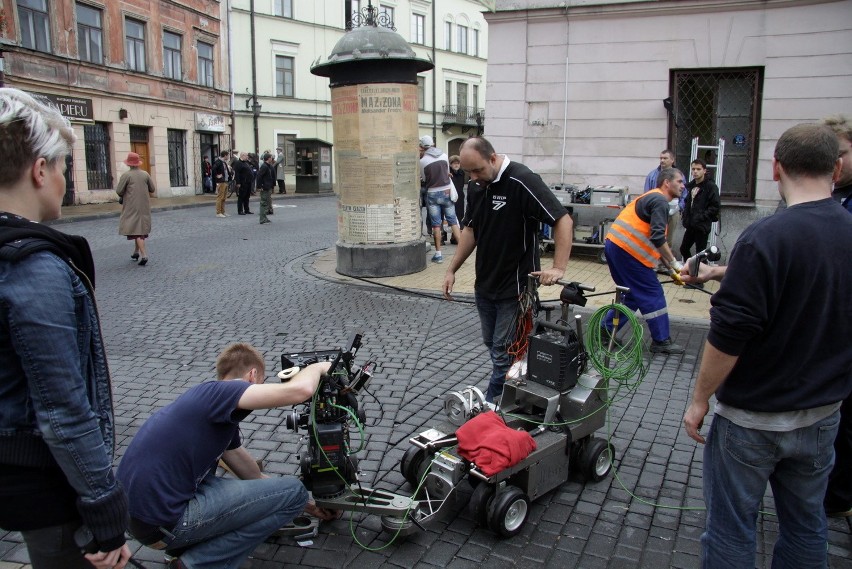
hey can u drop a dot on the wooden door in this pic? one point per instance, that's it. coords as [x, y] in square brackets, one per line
[141, 148]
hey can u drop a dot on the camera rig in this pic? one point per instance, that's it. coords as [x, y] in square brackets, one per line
[329, 466]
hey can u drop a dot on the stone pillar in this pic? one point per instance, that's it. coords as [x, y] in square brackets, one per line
[373, 80]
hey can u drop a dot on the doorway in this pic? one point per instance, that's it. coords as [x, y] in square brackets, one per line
[139, 145]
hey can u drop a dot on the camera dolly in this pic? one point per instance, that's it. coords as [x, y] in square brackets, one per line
[557, 399]
[329, 466]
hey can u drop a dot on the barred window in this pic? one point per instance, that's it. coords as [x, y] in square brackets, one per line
[98, 170]
[177, 157]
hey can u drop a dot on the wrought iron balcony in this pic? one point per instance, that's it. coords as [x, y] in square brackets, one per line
[463, 116]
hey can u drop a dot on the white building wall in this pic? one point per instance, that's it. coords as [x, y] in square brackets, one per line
[611, 61]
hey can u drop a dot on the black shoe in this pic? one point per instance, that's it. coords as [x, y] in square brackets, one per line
[249, 213]
[135, 256]
[666, 347]
[143, 261]
[240, 213]
[270, 212]
[265, 221]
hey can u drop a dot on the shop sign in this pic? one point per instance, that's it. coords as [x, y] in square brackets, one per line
[209, 123]
[73, 108]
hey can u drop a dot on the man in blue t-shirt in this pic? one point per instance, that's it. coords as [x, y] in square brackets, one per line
[169, 470]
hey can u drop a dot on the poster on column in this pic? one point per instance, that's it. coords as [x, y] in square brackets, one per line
[375, 137]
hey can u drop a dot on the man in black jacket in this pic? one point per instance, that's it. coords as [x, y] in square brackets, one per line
[245, 178]
[265, 183]
[779, 365]
[700, 210]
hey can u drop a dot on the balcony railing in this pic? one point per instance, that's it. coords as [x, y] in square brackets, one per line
[463, 115]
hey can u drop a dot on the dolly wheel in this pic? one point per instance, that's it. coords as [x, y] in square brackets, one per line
[411, 464]
[508, 512]
[400, 527]
[596, 459]
[479, 500]
[602, 257]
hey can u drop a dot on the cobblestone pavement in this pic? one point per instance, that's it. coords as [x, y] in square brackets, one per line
[213, 281]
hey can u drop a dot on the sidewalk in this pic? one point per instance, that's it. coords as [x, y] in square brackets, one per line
[686, 305]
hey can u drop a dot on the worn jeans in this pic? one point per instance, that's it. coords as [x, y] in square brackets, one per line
[54, 548]
[738, 462]
[440, 207]
[497, 318]
[228, 518]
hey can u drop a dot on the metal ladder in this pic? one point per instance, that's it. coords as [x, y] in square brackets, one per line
[717, 168]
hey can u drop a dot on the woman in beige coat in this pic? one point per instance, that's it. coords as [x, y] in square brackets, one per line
[135, 222]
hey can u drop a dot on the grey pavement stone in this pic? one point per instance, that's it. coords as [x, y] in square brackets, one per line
[213, 281]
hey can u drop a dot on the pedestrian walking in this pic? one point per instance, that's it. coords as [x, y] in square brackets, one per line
[266, 183]
[134, 187]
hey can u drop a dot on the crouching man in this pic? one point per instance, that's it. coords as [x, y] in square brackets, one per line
[176, 500]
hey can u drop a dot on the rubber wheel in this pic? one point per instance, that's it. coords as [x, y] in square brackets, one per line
[596, 460]
[400, 527]
[479, 500]
[508, 512]
[602, 257]
[411, 464]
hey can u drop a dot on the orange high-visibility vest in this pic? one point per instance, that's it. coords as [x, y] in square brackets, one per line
[632, 234]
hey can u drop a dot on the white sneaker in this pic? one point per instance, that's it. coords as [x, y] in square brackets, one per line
[221, 215]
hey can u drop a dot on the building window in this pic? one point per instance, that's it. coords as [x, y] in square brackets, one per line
[177, 157]
[421, 93]
[474, 43]
[461, 46]
[719, 103]
[351, 10]
[98, 170]
[283, 8]
[205, 64]
[474, 97]
[461, 96]
[283, 76]
[285, 143]
[388, 11]
[89, 34]
[134, 44]
[418, 27]
[448, 92]
[172, 56]
[34, 24]
[448, 36]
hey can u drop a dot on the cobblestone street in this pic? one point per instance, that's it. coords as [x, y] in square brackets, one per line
[213, 281]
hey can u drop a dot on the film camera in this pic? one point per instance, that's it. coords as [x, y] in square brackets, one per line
[327, 466]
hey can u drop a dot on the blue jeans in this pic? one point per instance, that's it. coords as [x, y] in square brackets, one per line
[738, 462]
[228, 518]
[440, 205]
[497, 318]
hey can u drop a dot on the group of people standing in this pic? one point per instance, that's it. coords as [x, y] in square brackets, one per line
[248, 175]
[780, 368]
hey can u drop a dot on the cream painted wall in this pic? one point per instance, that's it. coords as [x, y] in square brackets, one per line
[618, 73]
[610, 60]
[310, 36]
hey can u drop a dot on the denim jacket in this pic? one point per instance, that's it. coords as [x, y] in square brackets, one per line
[55, 393]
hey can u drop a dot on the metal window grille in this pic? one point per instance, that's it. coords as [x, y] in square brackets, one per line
[720, 103]
[177, 157]
[138, 134]
[34, 24]
[98, 169]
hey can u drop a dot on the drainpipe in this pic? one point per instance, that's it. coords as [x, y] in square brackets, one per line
[434, 79]
[565, 113]
[254, 112]
[231, 78]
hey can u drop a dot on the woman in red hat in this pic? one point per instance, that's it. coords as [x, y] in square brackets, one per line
[134, 187]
